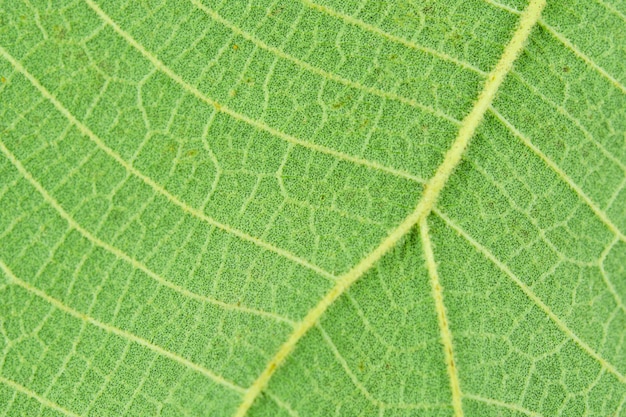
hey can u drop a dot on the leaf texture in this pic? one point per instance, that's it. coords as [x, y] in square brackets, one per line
[313, 208]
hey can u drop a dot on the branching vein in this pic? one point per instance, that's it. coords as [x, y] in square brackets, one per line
[150, 182]
[601, 215]
[569, 45]
[121, 255]
[535, 299]
[44, 401]
[513, 407]
[119, 332]
[323, 73]
[373, 29]
[431, 193]
[257, 124]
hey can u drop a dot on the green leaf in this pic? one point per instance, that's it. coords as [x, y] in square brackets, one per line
[313, 208]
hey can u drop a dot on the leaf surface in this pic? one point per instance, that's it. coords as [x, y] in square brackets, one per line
[313, 208]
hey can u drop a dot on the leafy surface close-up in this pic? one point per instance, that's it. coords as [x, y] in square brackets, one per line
[312, 208]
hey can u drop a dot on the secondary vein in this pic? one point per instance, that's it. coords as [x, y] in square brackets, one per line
[535, 299]
[197, 213]
[257, 124]
[442, 319]
[44, 401]
[118, 253]
[128, 336]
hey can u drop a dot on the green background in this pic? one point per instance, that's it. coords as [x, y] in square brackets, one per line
[180, 182]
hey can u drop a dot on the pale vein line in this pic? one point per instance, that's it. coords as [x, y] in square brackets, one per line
[612, 9]
[503, 7]
[621, 405]
[442, 319]
[498, 403]
[424, 207]
[325, 74]
[118, 253]
[355, 380]
[583, 57]
[156, 187]
[344, 364]
[554, 167]
[44, 401]
[562, 110]
[368, 395]
[533, 297]
[605, 275]
[283, 405]
[561, 38]
[397, 39]
[616, 193]
[159, 65]
[119, 332]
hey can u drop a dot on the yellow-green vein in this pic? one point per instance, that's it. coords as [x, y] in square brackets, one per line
[373, 29]
[323, 73]
[120, 254]
[534, 298]
[150, 182]
[160, 66]
[130, 337]
[44, 401]
[442, 319]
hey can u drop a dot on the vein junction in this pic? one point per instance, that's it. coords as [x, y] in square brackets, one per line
[429, 197]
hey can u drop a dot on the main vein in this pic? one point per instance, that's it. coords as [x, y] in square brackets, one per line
[569, 45]
[431, 193]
